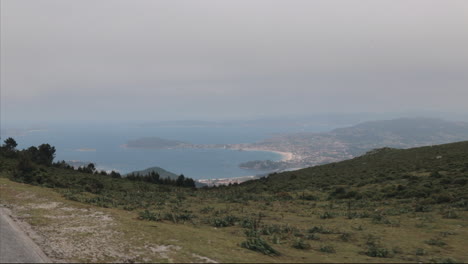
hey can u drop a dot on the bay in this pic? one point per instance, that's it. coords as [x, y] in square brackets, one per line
[102, 145]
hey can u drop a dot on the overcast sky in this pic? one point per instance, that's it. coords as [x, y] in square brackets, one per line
[160, 60]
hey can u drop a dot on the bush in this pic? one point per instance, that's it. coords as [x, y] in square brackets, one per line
[420, 252]
[378, 219]
[443, 198]
[377, 252]
[91, 185]
[345, 237]
[450, 214]
[313, 236]
[226, 221]
[248, 222]
[176, 217]
[206, 209]
[259, 245]
[284, 196]
[327, 249]
[352, 215]
[422, 208]
[435, 174]
[460, 181]
[150, 216]
[300, 244]
[308, 197]
[326, 215]
[375, 249]
[275, 239]
[320, 230]
[435, 242]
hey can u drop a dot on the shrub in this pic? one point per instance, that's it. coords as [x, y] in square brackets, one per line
[206, 209]
[308, 197]
[375, 249]
[450, 214]
[461, 204]
[352, 215]
[420, 252]
[226, 221]
[284, 196]
[247, 222]
[320, 230]
[377, 252]
[327, 249]
[259, 245]
[443, 198]
[397, 250]
[176, 217]
[300, 244]
[460, 181]
[313, 236]
[345, 237]
[435, 242]
[326, 215]
[422, 208]
[150, 216]
[379, 219]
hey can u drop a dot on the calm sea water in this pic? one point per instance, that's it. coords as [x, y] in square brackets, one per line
[104, 147]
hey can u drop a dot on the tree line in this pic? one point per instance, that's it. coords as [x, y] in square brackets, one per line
[154, 177]
[29, 159]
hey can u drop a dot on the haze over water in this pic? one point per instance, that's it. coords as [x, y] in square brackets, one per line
[102, 144]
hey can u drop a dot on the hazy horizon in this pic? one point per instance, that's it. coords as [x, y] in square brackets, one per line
[231, 60]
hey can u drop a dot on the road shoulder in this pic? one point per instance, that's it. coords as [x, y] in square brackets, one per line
[16, 245]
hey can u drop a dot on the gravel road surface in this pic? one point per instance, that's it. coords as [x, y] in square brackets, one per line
[15, 245]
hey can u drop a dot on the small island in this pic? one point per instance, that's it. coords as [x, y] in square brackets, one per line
[155, 143]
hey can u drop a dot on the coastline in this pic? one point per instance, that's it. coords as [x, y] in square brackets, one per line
[285, 156]
[226, 181]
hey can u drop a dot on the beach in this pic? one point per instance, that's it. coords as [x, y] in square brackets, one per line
[285, 156]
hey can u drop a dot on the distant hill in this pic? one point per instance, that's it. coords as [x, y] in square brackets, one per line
[400, 133]
[163, 174]
[344, 143]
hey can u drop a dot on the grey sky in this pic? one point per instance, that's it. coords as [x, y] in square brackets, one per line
[98, 59]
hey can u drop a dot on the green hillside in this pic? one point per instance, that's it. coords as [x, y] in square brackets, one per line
[349, 142]
[389, 205]
[162, 172]
[422, 171]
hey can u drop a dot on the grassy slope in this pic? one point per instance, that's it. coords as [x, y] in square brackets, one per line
[386, 165]
[369, 213]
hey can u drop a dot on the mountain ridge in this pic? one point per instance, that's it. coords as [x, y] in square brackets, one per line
[312, 149]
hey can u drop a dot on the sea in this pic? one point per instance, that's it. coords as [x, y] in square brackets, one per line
[102, 144]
